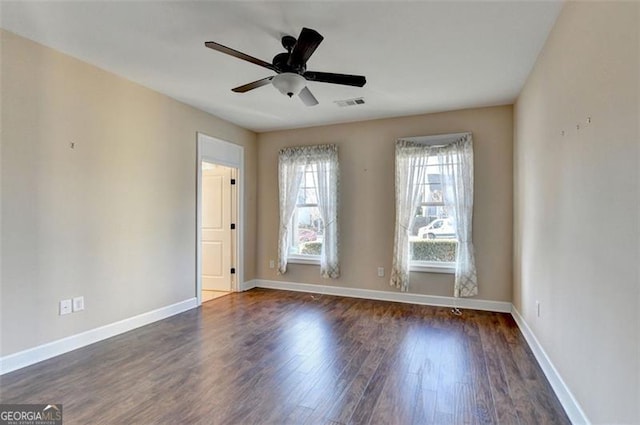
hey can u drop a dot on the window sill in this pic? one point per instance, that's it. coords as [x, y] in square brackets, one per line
[303, 259]
[425, 267]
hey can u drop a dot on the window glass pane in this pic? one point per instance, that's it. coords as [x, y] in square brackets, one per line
[439, 225]
[441, 250]
[433, 188]
[309, 195]
[306, 233]
[435, 240]
[427, 218]
[433, 235]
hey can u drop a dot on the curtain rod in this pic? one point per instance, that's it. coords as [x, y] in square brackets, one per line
[437, 139]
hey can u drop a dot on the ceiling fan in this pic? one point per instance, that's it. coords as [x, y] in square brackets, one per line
[291, 67]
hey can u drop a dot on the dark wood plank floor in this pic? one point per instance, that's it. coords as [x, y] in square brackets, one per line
[276, 357]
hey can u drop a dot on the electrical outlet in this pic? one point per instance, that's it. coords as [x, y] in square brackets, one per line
[272, 264]
[380, 271]
[78, 304]
[65, 307]
[538, 308]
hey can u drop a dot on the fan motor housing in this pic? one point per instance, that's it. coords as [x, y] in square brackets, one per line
[281, 62]
[288, 42]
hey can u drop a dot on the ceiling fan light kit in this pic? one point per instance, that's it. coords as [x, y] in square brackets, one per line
[291, 67]
[289, 83]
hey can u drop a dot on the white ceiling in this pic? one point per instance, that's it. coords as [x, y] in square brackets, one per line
[418, 57]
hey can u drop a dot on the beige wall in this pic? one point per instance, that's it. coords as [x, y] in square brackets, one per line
[577, 206]
[366, 152]
[112, 219]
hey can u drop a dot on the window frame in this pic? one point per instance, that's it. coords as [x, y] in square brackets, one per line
[302, 258]
[445, 267]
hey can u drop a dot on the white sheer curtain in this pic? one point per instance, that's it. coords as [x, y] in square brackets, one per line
[456, 168]
[411, 163]
[291, 166]
[455, 156]
[292, 163]
[328, 179]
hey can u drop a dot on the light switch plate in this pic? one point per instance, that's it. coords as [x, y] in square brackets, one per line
[78, 304]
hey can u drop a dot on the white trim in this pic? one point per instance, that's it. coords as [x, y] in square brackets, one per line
[55, 348]
[432, 267]
[402, 297]
[228, 154]
[198, 220]
[564, 394]
[249, 284]
[304, 259]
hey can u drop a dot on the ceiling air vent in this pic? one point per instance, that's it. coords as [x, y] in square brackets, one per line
[350, 102]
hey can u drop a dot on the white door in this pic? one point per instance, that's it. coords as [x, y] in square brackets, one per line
[216, 227]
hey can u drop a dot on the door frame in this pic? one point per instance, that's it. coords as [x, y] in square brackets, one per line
[217, 151]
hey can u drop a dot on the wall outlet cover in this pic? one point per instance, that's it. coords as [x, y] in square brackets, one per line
[65, 307]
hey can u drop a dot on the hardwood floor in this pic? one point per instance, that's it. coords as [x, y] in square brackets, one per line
[276, 357]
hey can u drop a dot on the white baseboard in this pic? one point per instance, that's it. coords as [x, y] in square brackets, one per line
[402, 297]
[55, 348]
[249, 284]
[568, 401]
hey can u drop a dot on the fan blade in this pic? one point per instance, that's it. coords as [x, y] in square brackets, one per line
[307, 43]
[254, 85]
[307, 97]
[328, 77]
[229, 51]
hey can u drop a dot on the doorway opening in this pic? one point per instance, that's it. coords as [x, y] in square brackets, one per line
[219, 230]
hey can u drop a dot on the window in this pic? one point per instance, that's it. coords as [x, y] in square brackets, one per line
[306, 230]
[308, 192]
[432, 239]
[434, 210]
